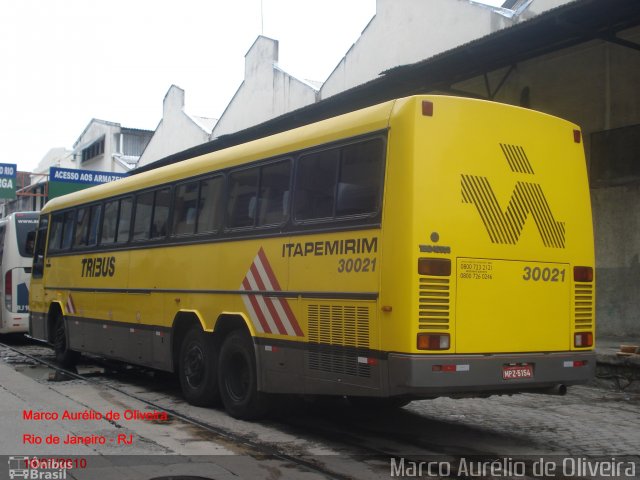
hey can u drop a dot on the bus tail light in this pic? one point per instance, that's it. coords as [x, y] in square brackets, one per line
[583, 274]
[583, 339]
[8, 290]
[438, 267]
[433, 341]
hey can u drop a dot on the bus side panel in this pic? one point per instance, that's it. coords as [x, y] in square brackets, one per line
[337, 275]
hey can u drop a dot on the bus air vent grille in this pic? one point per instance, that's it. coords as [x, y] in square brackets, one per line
[434, 303]
[583, 310]
[338, 335]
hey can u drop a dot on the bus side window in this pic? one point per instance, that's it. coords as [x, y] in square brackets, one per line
[360, 182]
[109, 222]
[160, 223]
[38, 255]
[124, 220]
[3, 229]
[96, 211]
[55, 237]
[242, 198]
[185, 207]
[67, 230]
[274, 190]
[315, 185]
[142, 219]
[82, 227]
[210, 204]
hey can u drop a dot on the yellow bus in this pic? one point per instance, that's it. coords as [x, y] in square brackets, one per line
[427, 246]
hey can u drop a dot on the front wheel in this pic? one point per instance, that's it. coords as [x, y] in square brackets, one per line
[198, 368]
[238, 378]
[65, 357]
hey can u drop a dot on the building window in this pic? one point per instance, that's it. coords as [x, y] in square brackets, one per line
[93, 150]
[615, 156]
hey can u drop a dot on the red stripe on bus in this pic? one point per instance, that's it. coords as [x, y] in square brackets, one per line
[256, 307]
[276, 286]
[268, 302]
[267, 268]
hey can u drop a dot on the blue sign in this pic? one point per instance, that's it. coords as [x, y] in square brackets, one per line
[86, 177]
[68, 180]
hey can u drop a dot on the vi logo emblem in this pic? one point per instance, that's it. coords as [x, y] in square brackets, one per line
[505, 226]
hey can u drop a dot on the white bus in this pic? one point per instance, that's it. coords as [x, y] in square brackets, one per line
[15, 270]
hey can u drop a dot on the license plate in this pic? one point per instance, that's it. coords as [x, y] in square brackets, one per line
[511, 372]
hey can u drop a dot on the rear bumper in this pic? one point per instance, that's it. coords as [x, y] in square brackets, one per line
[14, 322]
[414, 375]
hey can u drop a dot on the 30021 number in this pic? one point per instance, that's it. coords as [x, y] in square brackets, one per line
[537, 274]
[357, 265]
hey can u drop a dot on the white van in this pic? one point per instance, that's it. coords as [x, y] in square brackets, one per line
[15, 270]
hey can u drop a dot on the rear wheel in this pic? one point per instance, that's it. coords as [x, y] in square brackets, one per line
[238, 378]
[198, 368]
[65, 357]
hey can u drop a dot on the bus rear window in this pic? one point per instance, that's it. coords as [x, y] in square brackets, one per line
[25, 225]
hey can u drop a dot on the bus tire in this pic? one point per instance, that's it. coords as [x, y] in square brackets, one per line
[238, 378]
[65, 357]
[198, 368]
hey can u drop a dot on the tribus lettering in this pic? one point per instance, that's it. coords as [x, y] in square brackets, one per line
[99, 267]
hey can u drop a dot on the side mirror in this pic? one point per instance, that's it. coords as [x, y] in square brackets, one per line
[30, 243]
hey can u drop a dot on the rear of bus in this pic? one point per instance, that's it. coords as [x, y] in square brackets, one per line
[491, 203]
[15, 271]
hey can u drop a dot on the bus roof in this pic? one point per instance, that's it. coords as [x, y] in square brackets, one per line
[344, 126]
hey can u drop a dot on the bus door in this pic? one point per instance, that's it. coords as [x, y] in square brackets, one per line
[38, 310]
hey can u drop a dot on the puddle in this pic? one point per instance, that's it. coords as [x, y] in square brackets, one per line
[36, 372]
[46, 374]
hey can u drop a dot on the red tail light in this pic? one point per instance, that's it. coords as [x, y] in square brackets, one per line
[433, 341]
[583, 340]
[440, 267]
[583, 274]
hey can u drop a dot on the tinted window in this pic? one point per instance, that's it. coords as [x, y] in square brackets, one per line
[25, 224]
[360, 183]
[186, 209]
[3, 230]
[160, 224]
[273, 202]
[38, 255]
[315, 185]
[144, 210]
[93, 225]
[55, 236]
[67, 230]
[110, 222]
[124, 220]
[241, 209]
[82, 227]
[339, 182]
[210, 209]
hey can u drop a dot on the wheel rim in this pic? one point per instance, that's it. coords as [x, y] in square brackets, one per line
[194, 366]
[238, 378]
